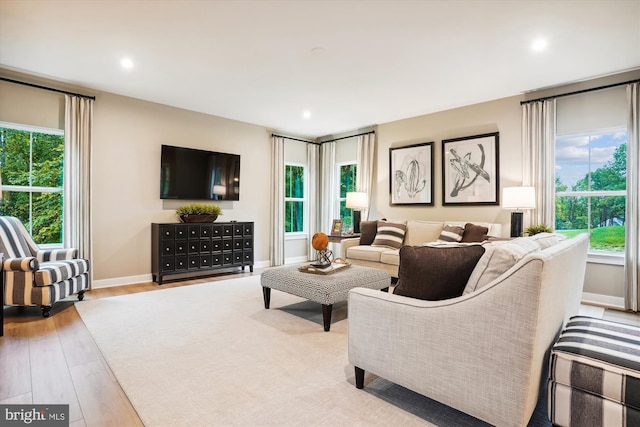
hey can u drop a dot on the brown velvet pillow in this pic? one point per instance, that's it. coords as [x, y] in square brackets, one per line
[435, 273]
[474, 233]
[368, 230]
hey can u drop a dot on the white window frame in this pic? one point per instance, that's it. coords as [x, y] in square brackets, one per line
[35, 189]
[304, 234]
[595, 255]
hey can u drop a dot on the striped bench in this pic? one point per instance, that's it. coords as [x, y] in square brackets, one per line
[594, 375]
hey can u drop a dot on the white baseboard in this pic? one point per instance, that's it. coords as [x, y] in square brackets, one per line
[144, 278]
[603, 300]
[119, 281]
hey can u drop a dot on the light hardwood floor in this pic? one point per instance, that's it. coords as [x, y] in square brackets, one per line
[55, 360]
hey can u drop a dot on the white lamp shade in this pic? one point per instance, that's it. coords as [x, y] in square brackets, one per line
[519, 198]
[357, 200]
[219, 190]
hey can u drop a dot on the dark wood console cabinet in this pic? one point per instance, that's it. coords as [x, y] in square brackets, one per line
[179, 248]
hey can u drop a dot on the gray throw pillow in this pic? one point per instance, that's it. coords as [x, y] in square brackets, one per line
[435, 273]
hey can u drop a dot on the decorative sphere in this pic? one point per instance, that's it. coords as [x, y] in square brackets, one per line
[320, 241]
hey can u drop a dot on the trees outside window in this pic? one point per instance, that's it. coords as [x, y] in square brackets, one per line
[591, 182]
[31, 162]
[347, 172]
[294, 198]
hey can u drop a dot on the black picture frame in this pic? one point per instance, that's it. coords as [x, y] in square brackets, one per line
[471, 170]
[411, 174]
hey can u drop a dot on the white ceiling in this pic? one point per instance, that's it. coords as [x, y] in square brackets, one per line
[350, 63]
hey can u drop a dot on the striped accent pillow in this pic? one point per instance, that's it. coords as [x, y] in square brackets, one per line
[389, 235]
[451, 233]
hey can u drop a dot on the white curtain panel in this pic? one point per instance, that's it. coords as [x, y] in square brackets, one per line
[313, 151]
[364, 172]
[632, 222]
[328, 186]
[77, 175]
[276, 248]
[538, 159]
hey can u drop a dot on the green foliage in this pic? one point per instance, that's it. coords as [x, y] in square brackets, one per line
[347, 184]
[536, 229]
[294, 189]
[198, 209]
[603, 238]
[33, 159]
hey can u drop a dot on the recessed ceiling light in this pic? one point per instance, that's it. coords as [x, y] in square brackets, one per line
[126, 63]
[306, 114]
[539, 45]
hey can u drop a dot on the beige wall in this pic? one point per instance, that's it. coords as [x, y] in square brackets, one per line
[126, 154]
[125, 168]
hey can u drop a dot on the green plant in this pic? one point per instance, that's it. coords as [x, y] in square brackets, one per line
[198, 209]
[535, 229]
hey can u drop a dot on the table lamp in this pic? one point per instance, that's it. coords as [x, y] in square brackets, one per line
[518, 199]
[357, 201]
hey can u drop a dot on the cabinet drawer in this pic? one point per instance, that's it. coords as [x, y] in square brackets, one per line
[181, 232]
[194, 262]
[247, 229]
[181, 263]
[193, 246]
[237, 229]
[247, 257]
[167, 232]
[205, 261]
[237, 244]
[227, 244]
[194, 231]
[227, 230]
[227, 259]
[181, 247]
[205, 245]
[247, 243]
[216, 260]
[216, 231]
[205, 231]
[167, 264]
[237, 258]
[167, 248]
[216, 246]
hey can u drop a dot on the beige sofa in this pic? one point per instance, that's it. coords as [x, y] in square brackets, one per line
[484, 352]
[418, 232]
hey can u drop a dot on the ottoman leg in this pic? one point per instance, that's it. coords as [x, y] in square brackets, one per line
[266, 295]
[326, 316]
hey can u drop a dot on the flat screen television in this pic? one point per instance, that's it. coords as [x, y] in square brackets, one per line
[192, 174]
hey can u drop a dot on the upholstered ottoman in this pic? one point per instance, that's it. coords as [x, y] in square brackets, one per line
[323, 289]
[594, 376]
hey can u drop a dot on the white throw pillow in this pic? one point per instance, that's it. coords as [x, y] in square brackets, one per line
[451, 233]
[498, 258]
[389, 235]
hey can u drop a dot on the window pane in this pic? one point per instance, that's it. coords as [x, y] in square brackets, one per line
[48, 151]
[15, 204]
[294, 217]
[346, 215]
[602, 217]
[14, 156]
[294, 181]
[347, 180]
[591, 162]
[47, 218]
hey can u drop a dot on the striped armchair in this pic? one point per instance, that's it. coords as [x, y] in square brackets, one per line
[35, 277]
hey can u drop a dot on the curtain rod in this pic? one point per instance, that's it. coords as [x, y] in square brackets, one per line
[47, 88]
[349, 136]
[295, 139]
[579, 92]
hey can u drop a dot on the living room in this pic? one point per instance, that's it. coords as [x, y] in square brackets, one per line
[128, 133]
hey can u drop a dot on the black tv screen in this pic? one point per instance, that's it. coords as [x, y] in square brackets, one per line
[188, 173]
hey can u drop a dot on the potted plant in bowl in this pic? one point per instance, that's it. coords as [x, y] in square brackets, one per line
[535, 229]
[198, 213]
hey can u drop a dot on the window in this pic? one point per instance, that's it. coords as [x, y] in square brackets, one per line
[31, 162]
[591, 173]
[347, 173]
[294, 198]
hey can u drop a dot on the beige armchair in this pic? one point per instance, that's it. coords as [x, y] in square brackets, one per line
[482, 353]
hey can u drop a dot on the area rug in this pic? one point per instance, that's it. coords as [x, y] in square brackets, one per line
[212, 355]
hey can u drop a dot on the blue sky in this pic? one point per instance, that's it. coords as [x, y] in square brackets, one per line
[576, 155]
